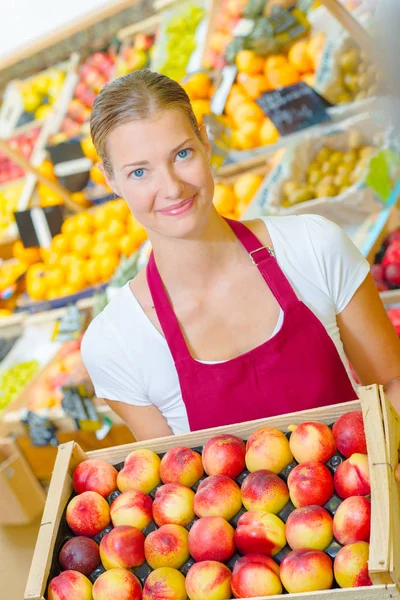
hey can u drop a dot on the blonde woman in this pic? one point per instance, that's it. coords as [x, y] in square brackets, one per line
[229, 321]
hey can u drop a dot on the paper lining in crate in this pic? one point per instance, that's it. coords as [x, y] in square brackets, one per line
[381, 442]
[352, 206]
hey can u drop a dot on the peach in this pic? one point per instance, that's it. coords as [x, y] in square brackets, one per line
[309, 527]
[123, 548]
[255, 575]
[259, 532]
[268, 448]
[310, 483]
[349, 434]
[88, 514]
[224, 454]
[140, 472]
[79, 554]
[351, 565]
[312, 441]
[173, 504]
[208, 580]
[218, 496]
[352, 520]
[306, 570]
[167, 547]
[71, 585]
[95, 476]
[211, 538]
[165, 583]
[263, 490]
[117, 583]
[352, 477]
[181, 465]
[132, 508]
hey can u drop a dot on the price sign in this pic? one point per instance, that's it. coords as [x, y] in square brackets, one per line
[78, 405]
[294, 108]
[41, 430]
[70, 326]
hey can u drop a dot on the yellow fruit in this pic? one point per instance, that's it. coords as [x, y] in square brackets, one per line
[31, 100]
[89, 150]
[298, 57]
[80, 199]
[248, 111]
[121, 210]
[103, 215]
[26, 255]
[84, 222]
[136, 231]
[283, 76]
[254, 85]
[268, 133]
[247, 136]
[248, 62]
[60, 244]
[4, 313]
[101, 235]
[127, 245]
[315, 48]
[82, 244]
[92, 271]
[42, 112]
[309, 79]
[97, 176]
[107, 266]
[224, 199]
[66, 290]
[116, 228]
[48, 197]
[201, 108]
[76, 279]
[55, 277]
[47, 169]
[107, 248]
[274, 61]
[246, 186]
[198, 86]
[69, 226]
[37, 288]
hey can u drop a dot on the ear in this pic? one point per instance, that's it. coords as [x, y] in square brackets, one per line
[205, 140]
[109, 180]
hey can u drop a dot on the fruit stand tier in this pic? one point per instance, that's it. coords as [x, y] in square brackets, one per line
[381, 435]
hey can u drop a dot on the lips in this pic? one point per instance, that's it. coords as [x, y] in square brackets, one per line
[178, 208]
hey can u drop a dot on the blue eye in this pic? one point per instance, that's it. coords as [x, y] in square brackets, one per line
[138, 173]
[182, 154]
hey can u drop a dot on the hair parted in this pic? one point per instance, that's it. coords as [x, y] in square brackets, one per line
[133, 97]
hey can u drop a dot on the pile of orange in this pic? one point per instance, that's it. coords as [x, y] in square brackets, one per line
[199, 88]
[86, 252]
[231, 201]
[256, 75]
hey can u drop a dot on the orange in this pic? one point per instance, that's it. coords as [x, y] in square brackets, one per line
[82, 244]
[66, 260]
[107, 266]
[76, 278]
[268, 133]
[89, 150]
[275, 61]
[201, 108]
[97, 176]
[136, 231]
[92, 271]
[80, 199]
[37, 288]
[309, 78]
[84, 222]
[127, 245]
[121, 209]
[52, 259]
[48, 197]
[103, 215]
[298, 57]
[55, 277]
[53, 293]
[45, 254]
[47, 169]
[248, 62]
[224, 199]
[69, 226]
[283, 76]
[254, 85]
[35, 271]
[246, 186]
[116, 228]
[66, 290]
[101, 235]
[248, 111]
[198, 86]
[315, 48]
[60, 244]
[107, 248]
[26, 255]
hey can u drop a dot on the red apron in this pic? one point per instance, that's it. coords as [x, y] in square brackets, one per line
[297, 369]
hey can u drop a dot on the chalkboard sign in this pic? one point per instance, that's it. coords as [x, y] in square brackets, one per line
[37, 226]
[41, 430]
[78, 405]
[294, 107]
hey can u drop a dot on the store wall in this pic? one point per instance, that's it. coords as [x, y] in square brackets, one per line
[24, 21]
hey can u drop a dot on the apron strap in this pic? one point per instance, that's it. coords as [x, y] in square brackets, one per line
[263, 257]
[165, 313]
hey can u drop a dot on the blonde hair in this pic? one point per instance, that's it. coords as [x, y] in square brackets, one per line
[133, 97]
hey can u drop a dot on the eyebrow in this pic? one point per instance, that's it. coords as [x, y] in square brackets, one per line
[142, 163]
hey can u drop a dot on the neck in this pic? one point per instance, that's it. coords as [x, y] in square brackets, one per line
[197, 260]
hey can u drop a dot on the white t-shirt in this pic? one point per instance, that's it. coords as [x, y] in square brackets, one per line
[129, 360]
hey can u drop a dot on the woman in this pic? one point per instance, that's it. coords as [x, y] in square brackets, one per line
[229, 322]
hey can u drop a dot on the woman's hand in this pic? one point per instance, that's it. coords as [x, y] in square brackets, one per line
[145, 422]
[370, 341]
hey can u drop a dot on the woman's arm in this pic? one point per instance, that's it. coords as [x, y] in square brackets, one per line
[370, 341]
[145, 422]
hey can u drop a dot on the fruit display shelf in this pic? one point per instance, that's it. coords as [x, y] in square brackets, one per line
[382, 432]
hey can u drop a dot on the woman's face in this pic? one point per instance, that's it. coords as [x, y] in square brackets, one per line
[162, 170]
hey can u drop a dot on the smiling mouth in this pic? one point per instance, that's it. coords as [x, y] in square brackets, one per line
[178, 208]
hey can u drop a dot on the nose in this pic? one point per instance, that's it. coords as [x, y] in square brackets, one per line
[172, 185]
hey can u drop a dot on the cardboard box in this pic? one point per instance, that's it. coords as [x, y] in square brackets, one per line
[22, 498]
[384, 550]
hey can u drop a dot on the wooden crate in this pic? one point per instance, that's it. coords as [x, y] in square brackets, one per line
[383, 551]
